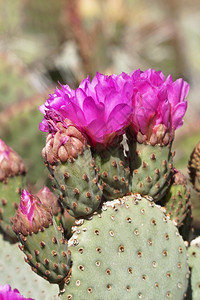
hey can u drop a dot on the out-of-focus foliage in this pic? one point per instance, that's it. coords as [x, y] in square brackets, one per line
[42, 42]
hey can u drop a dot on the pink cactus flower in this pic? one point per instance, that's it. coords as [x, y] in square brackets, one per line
[100, 108]
[157, 101]
[7, 294]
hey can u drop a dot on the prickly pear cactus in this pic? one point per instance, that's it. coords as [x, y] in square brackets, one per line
[114, 170]
[10, 198]
[194, 261]
[178, 204]
[194, 168]
[14, 271]
[137, 264]
[152, 170]
[131, 209]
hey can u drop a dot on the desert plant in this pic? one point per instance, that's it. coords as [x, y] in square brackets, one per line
[108, 151]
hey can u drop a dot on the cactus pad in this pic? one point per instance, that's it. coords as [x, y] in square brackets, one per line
[152, 167]
[114, 171]
[9, 200]
[117, 255]
[77, 182]
[194, 262]
[14, 271]
[178, 205]
[47, 253]
[194, 168]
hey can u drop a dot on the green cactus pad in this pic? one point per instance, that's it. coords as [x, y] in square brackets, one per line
[194, 264]
[179, 207]
[194, 168]
[77, 182]
[117, 254]
[114, 171]
[9, 201]
[14, 271]
[152, 170]
[47, 253]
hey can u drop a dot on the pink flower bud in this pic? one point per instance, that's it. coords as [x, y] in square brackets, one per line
[49, 199]
[10, 162]
[31, 215]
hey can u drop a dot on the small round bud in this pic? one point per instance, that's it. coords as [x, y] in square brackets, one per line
[10, 162]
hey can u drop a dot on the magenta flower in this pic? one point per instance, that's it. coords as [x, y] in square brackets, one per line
[100, 108]
[7, 294]
[157, 101]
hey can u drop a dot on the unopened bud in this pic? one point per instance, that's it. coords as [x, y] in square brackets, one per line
[31, 215]
[66, 143]
[10, 162]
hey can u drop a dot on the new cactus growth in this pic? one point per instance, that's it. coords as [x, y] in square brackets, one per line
[42, 240]
[131, 209]
[178, 204]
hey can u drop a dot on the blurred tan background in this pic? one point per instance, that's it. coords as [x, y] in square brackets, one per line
[46, 41]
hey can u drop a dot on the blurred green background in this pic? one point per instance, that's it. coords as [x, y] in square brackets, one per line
[46, 41]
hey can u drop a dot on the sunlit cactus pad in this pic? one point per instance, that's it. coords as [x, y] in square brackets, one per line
[193, 261]
[138, 265]
[152, 170]
[14, 271]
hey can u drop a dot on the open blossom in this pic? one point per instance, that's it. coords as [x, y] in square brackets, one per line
[158, 103]
[100, 108]
[6, 293]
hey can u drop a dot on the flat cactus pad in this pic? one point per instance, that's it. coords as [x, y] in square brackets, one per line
[131, 250]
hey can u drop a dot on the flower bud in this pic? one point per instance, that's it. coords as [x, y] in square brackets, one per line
[10, 162]
[31, 215]
[66, 143]
[49, 199]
